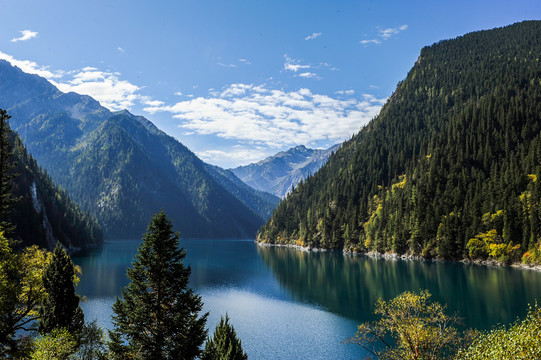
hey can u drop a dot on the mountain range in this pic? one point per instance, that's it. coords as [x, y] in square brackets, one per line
[122, 169]
[280, 173]
[448, 169]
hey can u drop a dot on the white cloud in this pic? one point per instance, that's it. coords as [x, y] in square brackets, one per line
[235, 90]
[227, 65]
[313, 36]
[238, 156]
[384, 34]
[178, 93]
[104, 86]
[258, 115]
[387, 33]
[244, 61]
[26, 35]
[293, 65]
[308, 75]
[153, 102]
[371, 41]
[345, 92]
[121, 50]
[31, 67]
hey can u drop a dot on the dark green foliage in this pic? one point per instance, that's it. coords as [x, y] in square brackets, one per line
[457, 142]
[224, 345]
[92, 344]
[44, 212]
[33, 209]
[10, 287]
[158, 315]
[60, 308]
[6, 173]
[126, 170]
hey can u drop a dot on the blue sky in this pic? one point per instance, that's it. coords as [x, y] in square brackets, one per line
[237, 81]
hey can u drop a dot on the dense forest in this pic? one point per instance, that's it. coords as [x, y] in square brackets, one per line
[448, 169]
[37, 211]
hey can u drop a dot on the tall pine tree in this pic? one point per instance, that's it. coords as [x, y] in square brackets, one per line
[158, 315]
[60, 309]
[224, 345]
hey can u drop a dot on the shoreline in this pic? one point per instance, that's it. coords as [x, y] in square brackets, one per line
[405, 257]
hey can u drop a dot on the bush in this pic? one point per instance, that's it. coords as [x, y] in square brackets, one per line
[522, 341]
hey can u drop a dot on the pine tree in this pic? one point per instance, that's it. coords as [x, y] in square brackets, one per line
[60, 309]
[224, 345]
[6, 173]
[158, 315]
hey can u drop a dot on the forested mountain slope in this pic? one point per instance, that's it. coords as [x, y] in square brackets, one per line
[120, 167]
[40, 212]
[262, 202]
[280, 173]
[450, 166]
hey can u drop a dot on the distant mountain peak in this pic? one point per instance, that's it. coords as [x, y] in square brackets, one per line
[279, 173]
[123, 112]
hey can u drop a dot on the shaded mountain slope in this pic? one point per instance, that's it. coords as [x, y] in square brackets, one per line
[43, 213]
[263, 203]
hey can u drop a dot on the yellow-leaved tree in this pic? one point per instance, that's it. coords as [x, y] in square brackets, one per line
[411, 327]
[21, 292]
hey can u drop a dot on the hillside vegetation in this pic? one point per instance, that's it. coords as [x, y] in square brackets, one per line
[449, 168]
[34, 210]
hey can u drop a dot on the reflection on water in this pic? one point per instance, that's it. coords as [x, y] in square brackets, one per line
[350, 285]
[294, 304]
[231, 278]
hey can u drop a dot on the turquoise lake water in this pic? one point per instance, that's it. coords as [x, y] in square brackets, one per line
[286, 304]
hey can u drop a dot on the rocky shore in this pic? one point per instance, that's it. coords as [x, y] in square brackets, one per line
[393, 256]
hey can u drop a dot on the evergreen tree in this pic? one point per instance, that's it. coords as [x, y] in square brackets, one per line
[158, 315]
[60, 308]
[224, 345]
[6, 173]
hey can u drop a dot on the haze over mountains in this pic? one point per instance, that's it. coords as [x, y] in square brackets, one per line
[121, 168]
[278, 174]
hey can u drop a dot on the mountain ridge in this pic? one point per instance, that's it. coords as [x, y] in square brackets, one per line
[280, 173]
[97, 156]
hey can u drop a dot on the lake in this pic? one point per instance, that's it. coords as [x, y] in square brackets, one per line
[287, 304]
